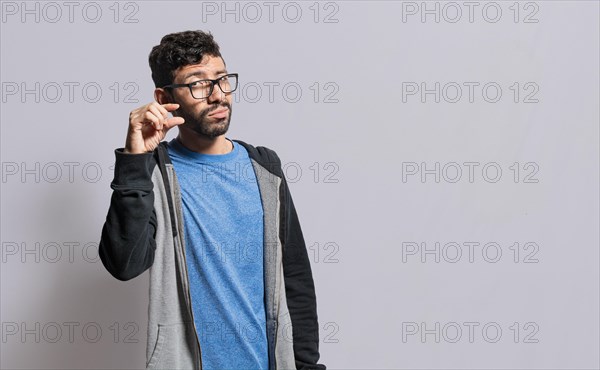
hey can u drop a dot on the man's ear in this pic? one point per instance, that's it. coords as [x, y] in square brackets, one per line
[162, 96]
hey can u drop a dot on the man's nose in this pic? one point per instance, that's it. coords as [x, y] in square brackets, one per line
[216, 95]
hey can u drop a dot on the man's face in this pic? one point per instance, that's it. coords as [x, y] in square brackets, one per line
[208, 117]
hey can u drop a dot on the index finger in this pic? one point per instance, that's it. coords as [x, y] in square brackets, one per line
[169, 106]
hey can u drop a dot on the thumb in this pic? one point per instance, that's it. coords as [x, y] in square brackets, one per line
[172, 122]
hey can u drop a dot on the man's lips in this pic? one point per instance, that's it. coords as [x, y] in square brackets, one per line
[219, 113]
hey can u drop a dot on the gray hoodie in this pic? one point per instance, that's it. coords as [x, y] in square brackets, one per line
[144, 230]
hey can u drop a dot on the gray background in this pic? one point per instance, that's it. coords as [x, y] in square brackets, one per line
[348, 154]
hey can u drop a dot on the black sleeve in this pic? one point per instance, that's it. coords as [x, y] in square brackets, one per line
[127, 243]
[299, 288]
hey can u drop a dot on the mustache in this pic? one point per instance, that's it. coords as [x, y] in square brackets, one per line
[218, 106]
[202, 114]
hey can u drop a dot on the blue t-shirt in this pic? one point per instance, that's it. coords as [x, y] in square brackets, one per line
[223, 221]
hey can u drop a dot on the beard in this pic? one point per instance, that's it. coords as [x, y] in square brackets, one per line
[206, 126]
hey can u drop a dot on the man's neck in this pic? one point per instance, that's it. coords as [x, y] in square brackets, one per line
[205, 145]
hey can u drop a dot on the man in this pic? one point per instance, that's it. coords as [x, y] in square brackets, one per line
[213, 219]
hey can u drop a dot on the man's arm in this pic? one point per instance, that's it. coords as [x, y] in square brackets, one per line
[299, 288]
[127, 244]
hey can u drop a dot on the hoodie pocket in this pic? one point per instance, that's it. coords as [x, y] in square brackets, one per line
[174, 348]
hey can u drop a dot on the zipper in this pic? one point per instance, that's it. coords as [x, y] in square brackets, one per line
[177, 234]
[189, 304]
[188, 296]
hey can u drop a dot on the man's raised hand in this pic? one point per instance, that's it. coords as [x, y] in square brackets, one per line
[148, 126]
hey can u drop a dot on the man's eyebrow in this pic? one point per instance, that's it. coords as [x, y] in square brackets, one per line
[202, 73]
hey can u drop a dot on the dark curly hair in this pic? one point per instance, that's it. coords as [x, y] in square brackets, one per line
[178, 50]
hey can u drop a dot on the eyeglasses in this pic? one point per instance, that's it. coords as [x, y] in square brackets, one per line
[202, 89]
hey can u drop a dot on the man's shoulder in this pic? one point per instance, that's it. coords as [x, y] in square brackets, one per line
[264, 156]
